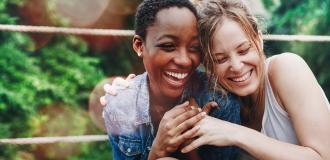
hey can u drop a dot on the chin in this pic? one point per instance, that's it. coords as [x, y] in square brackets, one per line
[242, 92]
[177, 93]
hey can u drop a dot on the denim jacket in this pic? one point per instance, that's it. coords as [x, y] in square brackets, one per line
[129, 126]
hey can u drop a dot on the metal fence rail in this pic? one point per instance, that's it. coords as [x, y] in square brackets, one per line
[116, 32]
[44, 140]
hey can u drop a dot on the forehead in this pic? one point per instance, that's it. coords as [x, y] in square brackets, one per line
[174, 13]
[174, 20]
[228, 35]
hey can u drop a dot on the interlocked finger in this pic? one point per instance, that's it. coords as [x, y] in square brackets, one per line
[186, 115]
[178, 110]
[193, 145]
[194, 132]
[189, 123]
[186, 138]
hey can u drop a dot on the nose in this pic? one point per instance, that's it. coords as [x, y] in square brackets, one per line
[183, 58]
[236, 64]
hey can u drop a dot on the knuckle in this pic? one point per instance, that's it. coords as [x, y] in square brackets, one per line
[168, 149]
[188, 124]
[170, 134]
[167, 126]
[171, 142]
[194, 112]
[166, 116]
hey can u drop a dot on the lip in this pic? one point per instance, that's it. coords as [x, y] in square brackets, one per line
[244, 82]
[175, 82]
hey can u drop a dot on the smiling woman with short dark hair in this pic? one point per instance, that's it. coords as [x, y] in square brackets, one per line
[147, 119]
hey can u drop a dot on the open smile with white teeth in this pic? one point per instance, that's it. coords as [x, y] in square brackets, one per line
[179, 76]
[243, 77]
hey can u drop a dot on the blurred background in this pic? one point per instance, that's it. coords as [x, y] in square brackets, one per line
[50, 83]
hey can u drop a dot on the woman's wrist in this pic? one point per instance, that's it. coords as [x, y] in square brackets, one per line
[238, 134]
[156, 153]
[242, 136]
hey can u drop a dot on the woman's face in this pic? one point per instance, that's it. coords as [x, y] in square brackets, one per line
[170, 51]
[238, 61]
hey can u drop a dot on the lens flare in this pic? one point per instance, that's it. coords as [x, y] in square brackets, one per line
[79, 13]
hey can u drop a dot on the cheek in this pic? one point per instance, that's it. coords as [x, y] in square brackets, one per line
[254, 57]
[196, 59]
[220, 72]
[257, 61]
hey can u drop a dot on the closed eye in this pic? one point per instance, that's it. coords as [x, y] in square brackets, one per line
[168, 47]
[244, 51]
[221, 60]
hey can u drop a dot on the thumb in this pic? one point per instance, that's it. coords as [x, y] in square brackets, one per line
[103, 101]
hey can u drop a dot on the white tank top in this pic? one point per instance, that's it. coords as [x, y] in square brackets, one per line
[275, 121]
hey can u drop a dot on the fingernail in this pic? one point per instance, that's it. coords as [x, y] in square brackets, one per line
[106, 87]
[103, 101]
[112, 91]
[199, 109]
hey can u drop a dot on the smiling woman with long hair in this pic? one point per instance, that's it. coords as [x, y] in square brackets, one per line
[284, 110]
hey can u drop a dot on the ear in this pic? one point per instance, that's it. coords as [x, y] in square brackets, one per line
[261, 41]
[138, 45]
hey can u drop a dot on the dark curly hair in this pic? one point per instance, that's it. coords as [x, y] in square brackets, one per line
[146, 13]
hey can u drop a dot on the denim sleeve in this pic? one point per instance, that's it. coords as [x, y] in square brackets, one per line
[116, 153]
[125, 148]
[125, 142]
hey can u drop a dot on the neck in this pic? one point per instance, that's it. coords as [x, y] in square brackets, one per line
[166, 103]
[159, 105]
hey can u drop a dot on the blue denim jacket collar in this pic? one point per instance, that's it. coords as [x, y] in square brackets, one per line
[142, 103]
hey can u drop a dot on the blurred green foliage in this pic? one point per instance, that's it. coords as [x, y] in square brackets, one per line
[309, 17]
[36, 83]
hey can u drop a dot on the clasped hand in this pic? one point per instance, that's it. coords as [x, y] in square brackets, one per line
[177, 127]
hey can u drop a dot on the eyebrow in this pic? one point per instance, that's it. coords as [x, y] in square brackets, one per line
[173, 37]
[240, 45]
[167, 36]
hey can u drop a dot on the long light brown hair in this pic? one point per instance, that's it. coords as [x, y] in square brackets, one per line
[211, 16]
